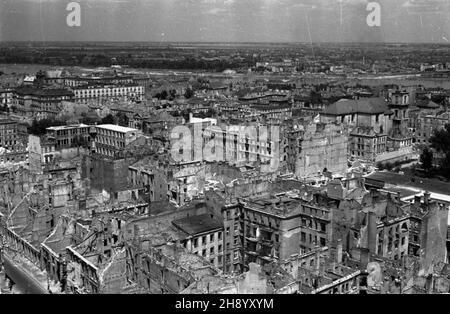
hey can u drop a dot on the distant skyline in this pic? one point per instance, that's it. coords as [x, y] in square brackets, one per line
[236, 21]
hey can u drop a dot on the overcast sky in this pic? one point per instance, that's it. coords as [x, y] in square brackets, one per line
[226, 21]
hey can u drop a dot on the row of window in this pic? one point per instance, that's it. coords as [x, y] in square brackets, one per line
[72, 132]
[108, 91]
[112, 133]
[105, 151]
[110, 142]
[212, 251]
[205, 240]
[313, 240]
[313, 224]
[262, 219]
[314, 211]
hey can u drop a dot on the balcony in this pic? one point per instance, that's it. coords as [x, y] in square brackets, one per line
[252, 239]
[267, 258]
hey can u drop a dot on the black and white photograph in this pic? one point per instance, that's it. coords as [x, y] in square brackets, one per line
[220, 153]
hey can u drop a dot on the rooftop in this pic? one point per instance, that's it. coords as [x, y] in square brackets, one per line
[407, 181]
[44, 92]
[7, 121]
[67, 127]
[281, 206]
[198, 224]
[363, 105]
[427, 104]
[116, 128]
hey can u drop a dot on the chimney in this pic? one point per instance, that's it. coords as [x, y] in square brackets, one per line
[371, 231]
[339, 251]
[417, 199]
[317, 257]
[426, 197]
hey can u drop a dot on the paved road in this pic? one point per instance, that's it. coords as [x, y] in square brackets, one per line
[25, 283]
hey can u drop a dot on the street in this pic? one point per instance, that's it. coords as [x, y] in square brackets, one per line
[24, 282]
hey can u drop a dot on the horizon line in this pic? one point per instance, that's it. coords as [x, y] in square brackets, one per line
[221, 42]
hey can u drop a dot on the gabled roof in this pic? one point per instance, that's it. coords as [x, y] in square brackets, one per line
[427, 104]
[33, 91]
[363, 105]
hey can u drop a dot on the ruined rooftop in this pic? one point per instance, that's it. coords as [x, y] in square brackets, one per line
[198, 224]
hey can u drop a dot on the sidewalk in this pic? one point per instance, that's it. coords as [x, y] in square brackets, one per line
[33, 272]
[4, 287]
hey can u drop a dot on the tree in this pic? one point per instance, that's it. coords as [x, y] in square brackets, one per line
[172, 94]
[89, 119]
[4, 108]
[440, 141]
[109, 119]
[40, 127]
[388, 166]
[426, 159]
[189, 93]
[445, 166]
[175, 113]
[185, 114]
[316, 98]
[122, 119]
[162, 95]
[210, 113]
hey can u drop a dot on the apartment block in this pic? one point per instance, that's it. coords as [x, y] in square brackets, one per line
[110, 139]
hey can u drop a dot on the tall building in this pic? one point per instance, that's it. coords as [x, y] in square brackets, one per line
[104, 92]
[40, 103]
[110, 139]
[245, 144]
[204, 236]
[13, 142]
[69, 135]
[264, 229]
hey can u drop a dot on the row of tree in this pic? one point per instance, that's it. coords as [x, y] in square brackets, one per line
[166, 95]
[66, 58]
[172, 94]
[39, 127]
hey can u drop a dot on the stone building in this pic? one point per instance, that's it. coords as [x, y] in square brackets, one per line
[69, 136]
[13, 142]
[110, 139]
[40, 103]
[204, 237]
[264, 229]
[324, 146]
